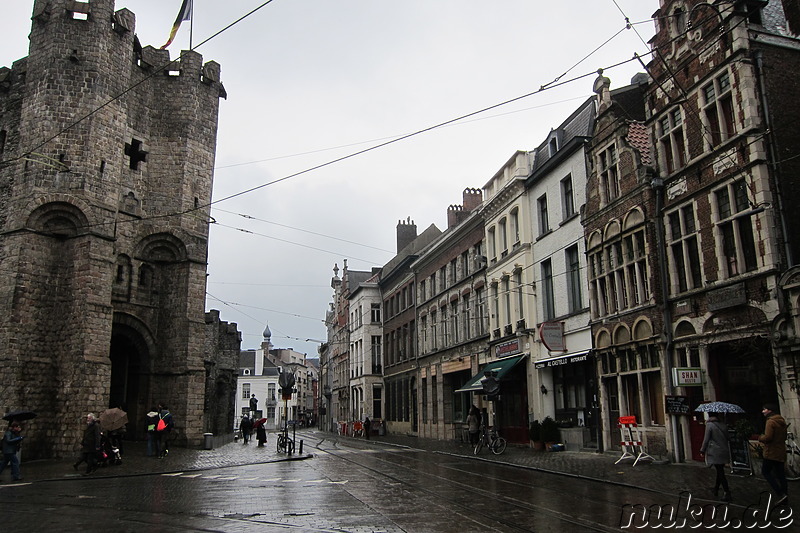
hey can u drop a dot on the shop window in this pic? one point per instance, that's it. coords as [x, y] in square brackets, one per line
[655, 397]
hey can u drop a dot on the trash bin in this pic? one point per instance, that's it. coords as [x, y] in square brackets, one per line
[208, 441]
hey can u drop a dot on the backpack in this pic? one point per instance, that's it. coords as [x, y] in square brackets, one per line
[161, 426]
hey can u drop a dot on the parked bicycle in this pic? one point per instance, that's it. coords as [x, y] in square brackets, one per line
[285, 443]
[492, 440]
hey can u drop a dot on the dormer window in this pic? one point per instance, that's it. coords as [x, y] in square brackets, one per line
[553, 147]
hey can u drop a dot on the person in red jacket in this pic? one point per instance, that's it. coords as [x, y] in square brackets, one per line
[774, 441]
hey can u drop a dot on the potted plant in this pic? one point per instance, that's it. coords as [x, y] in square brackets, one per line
[535, 434]
[550, 433]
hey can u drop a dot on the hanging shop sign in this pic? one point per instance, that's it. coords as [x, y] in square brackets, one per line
[552, 336]
[687, 377]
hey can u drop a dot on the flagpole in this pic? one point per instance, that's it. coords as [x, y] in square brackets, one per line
[191, 24]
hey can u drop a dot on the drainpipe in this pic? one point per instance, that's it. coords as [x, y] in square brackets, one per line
[772, 150]
[657, 183]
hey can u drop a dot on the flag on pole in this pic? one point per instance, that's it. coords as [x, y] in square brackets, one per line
[184, 14]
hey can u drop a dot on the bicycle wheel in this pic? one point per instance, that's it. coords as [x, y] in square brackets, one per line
[498, 445]
[478, 447]
[792, 464]
[756, 458]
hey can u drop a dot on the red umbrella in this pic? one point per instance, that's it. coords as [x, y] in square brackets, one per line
[259, 422]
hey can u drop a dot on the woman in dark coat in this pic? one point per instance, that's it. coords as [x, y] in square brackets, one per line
[717, 453]
[261, 431]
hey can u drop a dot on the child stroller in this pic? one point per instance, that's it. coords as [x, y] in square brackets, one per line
[112, 423]
[109, 453]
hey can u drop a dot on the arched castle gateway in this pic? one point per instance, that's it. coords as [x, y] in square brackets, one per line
[106, 149]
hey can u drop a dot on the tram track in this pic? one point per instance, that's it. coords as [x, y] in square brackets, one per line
[450, 493]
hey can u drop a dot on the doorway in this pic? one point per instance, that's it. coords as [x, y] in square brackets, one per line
[129, 389]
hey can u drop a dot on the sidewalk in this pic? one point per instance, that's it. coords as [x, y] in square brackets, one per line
[669, 479]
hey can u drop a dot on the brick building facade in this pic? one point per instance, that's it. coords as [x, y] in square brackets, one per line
[107, 163]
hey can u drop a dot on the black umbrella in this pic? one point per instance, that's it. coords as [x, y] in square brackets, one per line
[19, 415]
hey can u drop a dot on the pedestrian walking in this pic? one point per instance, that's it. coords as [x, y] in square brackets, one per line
[717, 453]
[367, 427]
[164, 427]
[152, 420]
[246, 427]
[261, 431]
[90, 445]
[774, 441]
[474, 425]
[12, 440]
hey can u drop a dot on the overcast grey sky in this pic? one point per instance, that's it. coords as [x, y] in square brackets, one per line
[310, 81]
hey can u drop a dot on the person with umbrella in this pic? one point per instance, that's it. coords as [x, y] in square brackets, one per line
[11, 443]
[717, 453]
[261, 431]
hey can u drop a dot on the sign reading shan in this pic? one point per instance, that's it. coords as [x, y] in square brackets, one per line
[687, 376]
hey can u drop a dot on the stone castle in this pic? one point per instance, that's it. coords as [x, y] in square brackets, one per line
[106, 167]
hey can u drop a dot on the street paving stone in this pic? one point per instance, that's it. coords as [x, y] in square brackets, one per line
[674, 479]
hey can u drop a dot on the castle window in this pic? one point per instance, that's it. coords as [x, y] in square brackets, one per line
[2, 143]
[136, 154]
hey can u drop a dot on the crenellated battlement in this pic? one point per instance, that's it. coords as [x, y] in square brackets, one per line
[106, 148]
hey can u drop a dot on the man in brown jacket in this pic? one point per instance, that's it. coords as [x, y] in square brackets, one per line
[774, 441]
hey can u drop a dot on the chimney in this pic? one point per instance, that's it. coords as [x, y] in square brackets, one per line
[406, 233]
[472, 198]
[455, 214]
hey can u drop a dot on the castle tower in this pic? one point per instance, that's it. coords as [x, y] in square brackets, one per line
[106, 161]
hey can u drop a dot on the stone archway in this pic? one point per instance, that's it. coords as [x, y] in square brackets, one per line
[130, 352]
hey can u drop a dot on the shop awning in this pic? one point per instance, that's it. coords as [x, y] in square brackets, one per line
[502, 366]
[566, 359]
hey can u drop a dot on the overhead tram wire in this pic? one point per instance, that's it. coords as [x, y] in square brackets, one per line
[550, 86]
[235, 305]
[292, 243]
[357, 143]
[250, 217]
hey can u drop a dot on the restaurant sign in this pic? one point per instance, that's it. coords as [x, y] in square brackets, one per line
[687, 377]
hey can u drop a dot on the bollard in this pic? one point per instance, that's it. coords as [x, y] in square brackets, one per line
[301, 447]
[208, 442]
